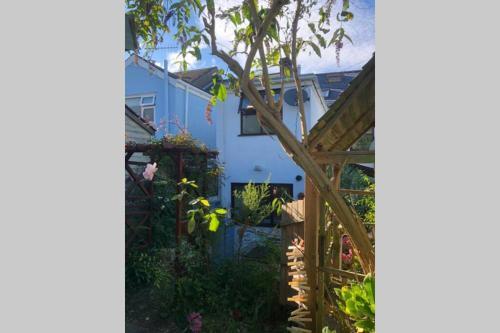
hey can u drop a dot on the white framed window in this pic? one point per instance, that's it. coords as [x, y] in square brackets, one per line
[143, 105]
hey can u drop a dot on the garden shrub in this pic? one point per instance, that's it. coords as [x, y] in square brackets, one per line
[358, 302]
[143, 269]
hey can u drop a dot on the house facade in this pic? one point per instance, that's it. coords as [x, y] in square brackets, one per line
[247, 152]
[166, 101]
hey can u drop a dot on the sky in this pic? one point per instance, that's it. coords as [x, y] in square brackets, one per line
[353, 56]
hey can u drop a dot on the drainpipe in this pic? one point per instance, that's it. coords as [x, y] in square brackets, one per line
[165, 99]
[186, 104]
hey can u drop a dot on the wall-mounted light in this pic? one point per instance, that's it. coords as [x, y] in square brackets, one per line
[257, 168]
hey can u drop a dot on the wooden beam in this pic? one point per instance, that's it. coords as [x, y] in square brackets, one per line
[361, 90]
[340, 156]
[343, 273]
[311, 223]
[320, 297]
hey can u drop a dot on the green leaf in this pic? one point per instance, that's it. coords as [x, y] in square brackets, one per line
[205, 202]
[197, 53]
[273, 31]
[205, 38]
[237, 17]
[194, 201]
[321, 40]
[191, 225]
[214, 223]
[276, 56]
[345, 4]
[366, 325]
[315, 48]
[348, 38]
[287, 72]
[210, 5]
[221, 211]
[286, 49]
[312, 27]
[369, 285]
[222, 93]
[351, 308]
[184, 180]
[198, 4]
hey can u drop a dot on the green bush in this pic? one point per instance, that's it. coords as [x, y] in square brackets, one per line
[230, 294]
[144, 270]
[358, 302]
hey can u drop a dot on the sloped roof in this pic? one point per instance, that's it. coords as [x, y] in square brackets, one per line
[200, 78]
[350, 116]
[335, 82]
[138, 120]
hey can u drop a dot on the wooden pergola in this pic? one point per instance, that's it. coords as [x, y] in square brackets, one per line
[347, 120]
[177, 153]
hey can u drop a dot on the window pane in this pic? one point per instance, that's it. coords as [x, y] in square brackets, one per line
[150, 100]
[148, 114]
[250, 124]
[244, 103]
[134, 103]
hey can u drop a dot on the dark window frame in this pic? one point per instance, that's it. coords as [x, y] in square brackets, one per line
[273, 220]
[251, 112]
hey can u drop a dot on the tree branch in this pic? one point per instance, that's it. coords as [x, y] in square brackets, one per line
[261, 33]
[298, 83]
[262, 54]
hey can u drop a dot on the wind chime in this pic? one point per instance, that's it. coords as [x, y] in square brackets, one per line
[299, 283]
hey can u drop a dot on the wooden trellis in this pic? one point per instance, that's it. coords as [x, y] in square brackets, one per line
[137, 217]
[349, 118]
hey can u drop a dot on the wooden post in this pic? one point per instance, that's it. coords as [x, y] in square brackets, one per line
[311, 222]
[337, 262]
[320, 298]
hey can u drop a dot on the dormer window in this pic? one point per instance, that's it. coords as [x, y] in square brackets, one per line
[143, 106]
[248, 123]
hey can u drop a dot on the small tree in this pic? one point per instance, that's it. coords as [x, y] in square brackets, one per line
[269, 34]
[252, 206]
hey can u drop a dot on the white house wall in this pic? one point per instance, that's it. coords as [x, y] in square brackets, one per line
[241, 154]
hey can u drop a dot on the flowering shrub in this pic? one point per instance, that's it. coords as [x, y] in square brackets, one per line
[150, 171]
[347, 253]
[194, 319]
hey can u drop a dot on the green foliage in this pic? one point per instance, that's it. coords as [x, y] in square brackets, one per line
[252, 204]
[150, 20]
[358, 302]
[143, 269]
[192, 22]
[234, 295]
[364, 205]
[200, 211]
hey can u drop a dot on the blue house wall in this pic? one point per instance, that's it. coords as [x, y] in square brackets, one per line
[140, 80]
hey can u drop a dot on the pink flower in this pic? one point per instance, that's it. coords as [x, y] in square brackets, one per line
[149, 172]
[347, 257]
[194, 319]
[345, 240]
